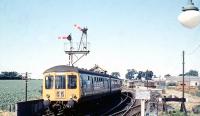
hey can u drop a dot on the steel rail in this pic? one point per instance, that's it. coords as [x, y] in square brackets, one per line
[133, 101]
[122, 101]
[127, 108]
[133, 110]
[126, 111]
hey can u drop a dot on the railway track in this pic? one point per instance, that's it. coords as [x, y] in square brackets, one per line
[128, 112]
[59, 112]
[127, 106]
[50, 113]
[124, 99]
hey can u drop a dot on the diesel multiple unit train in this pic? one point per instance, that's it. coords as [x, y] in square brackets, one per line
[67, 85]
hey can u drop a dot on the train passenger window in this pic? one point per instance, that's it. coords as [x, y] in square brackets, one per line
[49, 82]
[72, 81]
[92, 80]
[60, 82]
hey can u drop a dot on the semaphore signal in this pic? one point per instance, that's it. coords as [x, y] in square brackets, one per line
[66, 37]
[77, 27]
[79, 49]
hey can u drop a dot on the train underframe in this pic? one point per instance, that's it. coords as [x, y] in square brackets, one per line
[72, 106]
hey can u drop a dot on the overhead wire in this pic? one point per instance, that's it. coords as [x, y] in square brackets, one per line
[193, 51]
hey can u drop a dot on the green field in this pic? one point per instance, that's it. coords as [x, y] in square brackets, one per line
[13, 91]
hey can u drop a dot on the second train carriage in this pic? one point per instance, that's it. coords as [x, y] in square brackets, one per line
[68, 85]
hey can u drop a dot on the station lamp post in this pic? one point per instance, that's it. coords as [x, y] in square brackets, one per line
[190, 17]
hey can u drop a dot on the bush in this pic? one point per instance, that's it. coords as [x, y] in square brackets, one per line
[198, 87]
[198, 94]
[171, 84]
[196, 109]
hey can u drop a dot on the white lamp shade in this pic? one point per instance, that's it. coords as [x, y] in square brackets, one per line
[189, 18]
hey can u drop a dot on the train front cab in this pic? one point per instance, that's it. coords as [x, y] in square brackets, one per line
[61, 87]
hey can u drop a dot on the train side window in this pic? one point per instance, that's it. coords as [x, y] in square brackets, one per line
[72, 81]
[60, 82]
[49, 82]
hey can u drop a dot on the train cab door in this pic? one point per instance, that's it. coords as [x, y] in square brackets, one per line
[60, 86]
[73, 86]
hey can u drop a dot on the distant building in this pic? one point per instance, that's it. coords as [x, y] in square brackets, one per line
[191, 82]
[132, 83]
[150, 84]
[159, 84]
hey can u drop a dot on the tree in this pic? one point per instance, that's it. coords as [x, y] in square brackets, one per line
[115, 74]
[140, 74]
[10, 75]
[130, 74]
[149, 75]
[191, 73]
[181, 74]
[167, 75]
[133, 74]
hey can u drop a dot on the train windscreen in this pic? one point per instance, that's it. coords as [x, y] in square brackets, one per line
[49, 82]
[60, 82]
[72, 81]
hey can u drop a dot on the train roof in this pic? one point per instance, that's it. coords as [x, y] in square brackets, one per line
[65, 68]
[61, 68]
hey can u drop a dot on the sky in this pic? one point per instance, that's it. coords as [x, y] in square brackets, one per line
[123, 34]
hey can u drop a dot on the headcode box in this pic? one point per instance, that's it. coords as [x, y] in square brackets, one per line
[142, 94]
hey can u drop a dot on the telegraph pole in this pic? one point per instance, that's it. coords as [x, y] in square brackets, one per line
[26, 85]
[183, 108]
[183, 74]
[26, 79]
